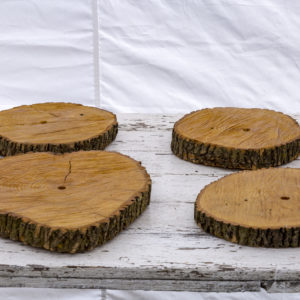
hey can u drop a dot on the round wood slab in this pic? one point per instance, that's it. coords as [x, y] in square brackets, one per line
[70, 202]
[236, 138]
[255, 208]
[55, 127]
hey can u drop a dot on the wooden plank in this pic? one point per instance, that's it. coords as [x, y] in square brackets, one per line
[133, 284]
[279, 286]
[154, 122]
[157, 247]
[153, 150]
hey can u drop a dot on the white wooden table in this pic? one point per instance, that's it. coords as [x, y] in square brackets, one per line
[164, 249]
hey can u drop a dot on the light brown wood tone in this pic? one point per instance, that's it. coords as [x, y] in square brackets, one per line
[70, 202]
[56, 127]
[256, 208]
[237, 138]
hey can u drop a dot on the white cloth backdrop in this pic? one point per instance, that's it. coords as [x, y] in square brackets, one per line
[46, 52]
[68, 294]
[154, 56]
[180, 55]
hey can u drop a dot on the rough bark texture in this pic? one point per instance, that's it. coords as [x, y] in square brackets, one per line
[216, 156]
[71, 202]
[236, 138]
[8, 148]
[72, 241]
[55, 127]
[255, 208]
[271, 238]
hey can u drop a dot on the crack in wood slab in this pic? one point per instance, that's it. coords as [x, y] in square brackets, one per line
[154, 260]
[69, 171]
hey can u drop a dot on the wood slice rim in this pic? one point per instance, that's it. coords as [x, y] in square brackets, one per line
[244, 208]
[220, 155]
[70, 202]
[97, 128]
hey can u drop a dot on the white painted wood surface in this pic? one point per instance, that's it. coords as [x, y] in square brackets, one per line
[164, 249]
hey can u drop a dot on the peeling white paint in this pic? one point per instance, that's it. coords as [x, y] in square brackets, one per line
[163, 249]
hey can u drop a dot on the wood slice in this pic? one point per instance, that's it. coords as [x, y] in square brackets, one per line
[236, 138]
[255, 208]
[70, 202]
[55, 127]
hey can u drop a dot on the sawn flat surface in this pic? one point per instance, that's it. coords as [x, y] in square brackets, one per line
[163, 249]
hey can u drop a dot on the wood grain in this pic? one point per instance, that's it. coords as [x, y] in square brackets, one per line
[71, 202]
[236, 138]
[55, 127]
[255, 208]
[157, 249]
